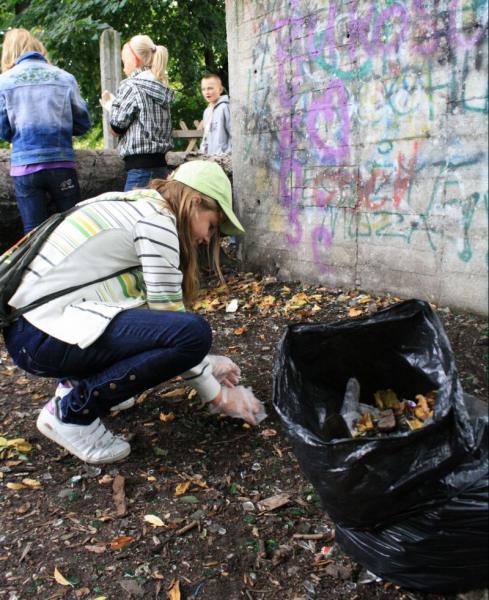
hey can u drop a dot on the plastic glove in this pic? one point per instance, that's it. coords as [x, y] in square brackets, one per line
[224, 370]
[239, 402]
[106, 100]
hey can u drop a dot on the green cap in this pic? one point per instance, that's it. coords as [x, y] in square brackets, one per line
[209, 178]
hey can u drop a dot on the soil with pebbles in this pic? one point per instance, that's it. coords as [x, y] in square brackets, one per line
[212, 540]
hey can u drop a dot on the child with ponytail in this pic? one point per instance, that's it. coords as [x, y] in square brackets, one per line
[140, 111]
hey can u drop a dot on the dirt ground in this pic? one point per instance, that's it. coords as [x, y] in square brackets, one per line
[181, 517]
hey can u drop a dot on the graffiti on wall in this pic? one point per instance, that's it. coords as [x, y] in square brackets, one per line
[370, 113]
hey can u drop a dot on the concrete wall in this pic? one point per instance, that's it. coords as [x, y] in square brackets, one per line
[360, 143]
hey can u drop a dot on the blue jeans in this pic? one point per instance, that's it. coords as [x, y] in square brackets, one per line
[33, 191]
[139, 349]
[139, 178]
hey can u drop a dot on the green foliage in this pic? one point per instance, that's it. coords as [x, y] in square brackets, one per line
[92, 139]
[193, 31]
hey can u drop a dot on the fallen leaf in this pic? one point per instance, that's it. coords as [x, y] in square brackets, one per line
[174, 393]
[422, 410]
[167, 417]
[273, 502]
[32, 483]
[386, 399]
[192, 394]
[364, 423]
[157, 575]
[414, 424]
[142, 397]
[268, 433]
[59, 578]
[355, 312]
[106, 479]
[119, 496]
[297, 301]
[182, 488]
[160, 451]
[96, 548]
[267, 302]
[19, 444]
[240, 330]
[121, 542]
[23, 508]
[174, 590]
[154, 520]
[16, 486]
[189, 499]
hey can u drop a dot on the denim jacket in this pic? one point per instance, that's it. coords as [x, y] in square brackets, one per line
[40, 110]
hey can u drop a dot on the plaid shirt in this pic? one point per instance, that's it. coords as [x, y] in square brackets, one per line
[140, 114]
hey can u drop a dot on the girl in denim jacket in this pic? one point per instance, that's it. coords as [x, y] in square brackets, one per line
[40, 110]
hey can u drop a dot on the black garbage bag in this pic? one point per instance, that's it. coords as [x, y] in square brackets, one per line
[413, 506]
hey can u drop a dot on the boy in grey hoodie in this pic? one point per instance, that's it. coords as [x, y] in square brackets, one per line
[217, 118]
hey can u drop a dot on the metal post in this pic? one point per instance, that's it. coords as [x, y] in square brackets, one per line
[110, 74]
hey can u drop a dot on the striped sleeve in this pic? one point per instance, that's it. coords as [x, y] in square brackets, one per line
[157, 247]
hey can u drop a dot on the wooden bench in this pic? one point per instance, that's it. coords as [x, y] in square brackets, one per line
[192, 135]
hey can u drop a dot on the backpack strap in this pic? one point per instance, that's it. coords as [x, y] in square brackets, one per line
[23, 252]
[18, 312]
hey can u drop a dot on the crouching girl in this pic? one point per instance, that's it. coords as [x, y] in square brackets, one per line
[126, 329]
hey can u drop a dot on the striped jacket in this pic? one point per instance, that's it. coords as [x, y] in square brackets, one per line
[137, 238]
[140, 113]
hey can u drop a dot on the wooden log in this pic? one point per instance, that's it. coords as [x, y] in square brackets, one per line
[98, 171]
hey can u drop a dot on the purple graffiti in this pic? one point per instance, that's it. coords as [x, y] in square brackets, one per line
[430, 46]
[458, 40]
[321, 240]
[390, 13]
[332, 105]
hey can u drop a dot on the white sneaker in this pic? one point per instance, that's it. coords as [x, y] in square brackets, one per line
[91, 443]
[65, 388]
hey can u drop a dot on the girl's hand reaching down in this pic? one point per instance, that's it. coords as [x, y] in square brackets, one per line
[224, 370]
[239, 402]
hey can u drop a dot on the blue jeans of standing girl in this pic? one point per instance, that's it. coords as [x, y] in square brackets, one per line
[32, 193]
[139, 178]
[139, 349]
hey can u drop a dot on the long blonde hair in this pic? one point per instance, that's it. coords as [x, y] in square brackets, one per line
[179, 199]
[16, 43]
[151, 55]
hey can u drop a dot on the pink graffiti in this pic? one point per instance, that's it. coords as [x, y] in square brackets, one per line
[329, 185]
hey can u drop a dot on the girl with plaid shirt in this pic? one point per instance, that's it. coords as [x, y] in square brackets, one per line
[140, 111]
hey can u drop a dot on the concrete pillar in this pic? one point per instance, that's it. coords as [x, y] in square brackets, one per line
[110, 75]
